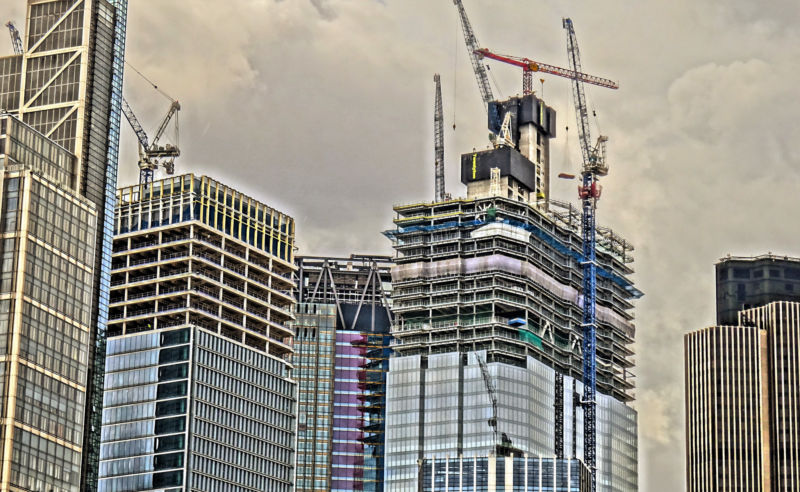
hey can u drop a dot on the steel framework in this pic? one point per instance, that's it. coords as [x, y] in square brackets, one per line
[438, 130]
[472, 47]
[593, 166]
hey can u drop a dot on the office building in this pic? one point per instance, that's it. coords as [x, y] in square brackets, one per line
[504, 473]
[743, 382]
[199, 393]
[496, 277]
[726, 444]
[748, 282]
[342, 356]
[48, 265]
[66, 83]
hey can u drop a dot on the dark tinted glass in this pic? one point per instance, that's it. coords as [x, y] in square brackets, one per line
[173, 354]
[171, 407]
[171, 390]
[177, 371]
[175, 337]
[168, 426]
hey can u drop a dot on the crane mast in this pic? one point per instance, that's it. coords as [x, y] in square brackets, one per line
[438, 130]
[594, 166]
[16, 39]
[472, 46]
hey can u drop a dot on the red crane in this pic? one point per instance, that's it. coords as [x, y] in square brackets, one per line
[529, 66]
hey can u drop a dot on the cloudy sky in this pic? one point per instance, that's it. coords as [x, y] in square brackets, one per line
[323, 108]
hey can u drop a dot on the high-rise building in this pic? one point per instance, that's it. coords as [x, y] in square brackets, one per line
[496, 278]
[743, 382]
[342, 356]
[67, 86]
[748, 282]
[47, 230]
[199, 393]
[494, 473]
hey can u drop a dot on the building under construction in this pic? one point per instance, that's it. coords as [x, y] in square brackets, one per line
[495, 280]
[342, 356]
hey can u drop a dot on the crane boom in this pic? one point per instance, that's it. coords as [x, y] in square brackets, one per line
[173, 109]
[472, 46]
[528, 66]
[134, 122]
[16, 39]
[438, 130]
[579, 95]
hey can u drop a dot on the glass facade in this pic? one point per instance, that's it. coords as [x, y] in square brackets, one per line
[343, 349]
[439, 405]
[48, 267]
[72, 68]
[503, 474]
[188, 408]
[198, 387]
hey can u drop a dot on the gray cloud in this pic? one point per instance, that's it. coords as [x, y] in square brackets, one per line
[324, 110]
[324, 9]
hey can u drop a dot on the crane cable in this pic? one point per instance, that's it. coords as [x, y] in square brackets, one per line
[155, 86]
[455, 73]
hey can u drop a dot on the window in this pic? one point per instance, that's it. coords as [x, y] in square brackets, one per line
[170, 390]
[177, 371]
[171, 407]
[173, 355]
[168, 479]
[172, 460]
[171, 425]
[169, 443]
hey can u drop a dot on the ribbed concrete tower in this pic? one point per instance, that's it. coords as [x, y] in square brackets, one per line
[743, 383]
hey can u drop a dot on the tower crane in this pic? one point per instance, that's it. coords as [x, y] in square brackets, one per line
[438, 131]
[16, 39]
[151, 154]
[492, 391]
[529, 66]
[477, 65]
[594, 166]
[504, 447]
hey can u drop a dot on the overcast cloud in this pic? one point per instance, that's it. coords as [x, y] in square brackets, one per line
[323, 108]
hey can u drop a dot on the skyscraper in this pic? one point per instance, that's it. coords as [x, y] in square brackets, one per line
[743, 382]
[199, 393]
[726, 444]
[45, 310]
[67, 86]
[343, 347]
[495, 278]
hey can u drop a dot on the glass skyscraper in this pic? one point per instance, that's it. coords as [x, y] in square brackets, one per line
[199, 393]
[47, 231]
[495, 279]
[67, 85]
[343, 348]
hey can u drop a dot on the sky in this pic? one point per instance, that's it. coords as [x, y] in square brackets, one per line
[324, 110]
